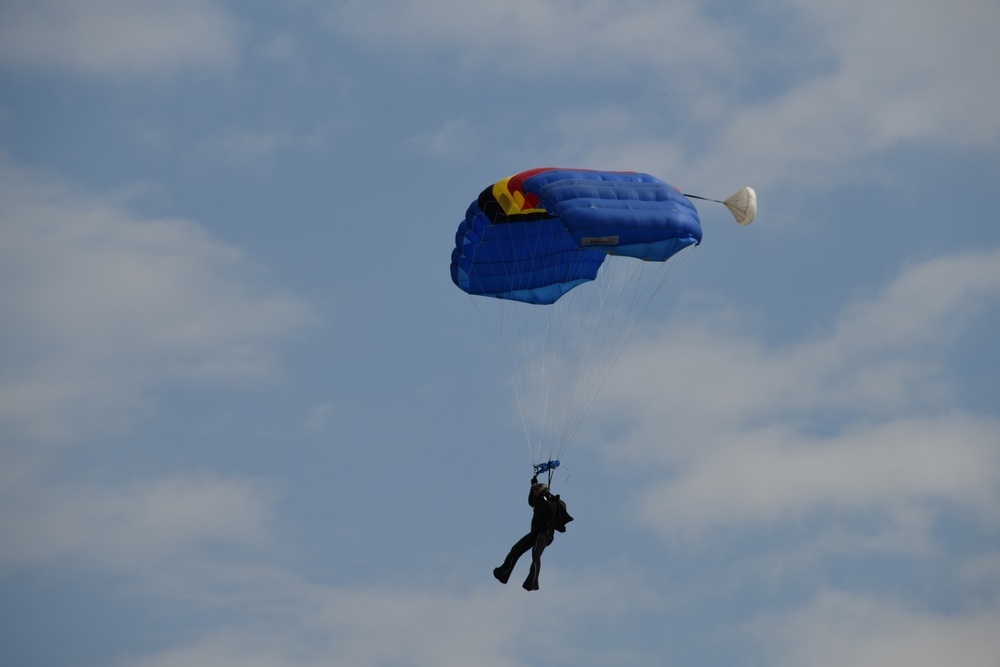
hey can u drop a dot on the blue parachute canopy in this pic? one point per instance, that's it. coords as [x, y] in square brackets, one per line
[536, 235]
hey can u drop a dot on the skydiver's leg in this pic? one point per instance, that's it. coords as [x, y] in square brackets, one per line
[541, 541]
[520, 547]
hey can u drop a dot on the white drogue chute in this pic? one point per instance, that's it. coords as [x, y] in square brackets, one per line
[742, 204]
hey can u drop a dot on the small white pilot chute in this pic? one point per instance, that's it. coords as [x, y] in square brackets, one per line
[742, 204]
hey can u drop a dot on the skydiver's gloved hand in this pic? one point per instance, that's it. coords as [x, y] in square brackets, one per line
[534, 480]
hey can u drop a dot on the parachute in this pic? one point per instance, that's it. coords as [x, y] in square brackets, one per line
[536, 235]
[561, 264]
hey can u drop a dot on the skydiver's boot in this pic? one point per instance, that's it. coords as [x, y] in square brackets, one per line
[501, 574]
[531, 583]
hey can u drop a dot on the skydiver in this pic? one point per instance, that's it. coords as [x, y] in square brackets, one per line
[549, 514]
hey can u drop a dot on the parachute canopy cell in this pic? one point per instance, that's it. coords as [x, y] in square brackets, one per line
[536, 235]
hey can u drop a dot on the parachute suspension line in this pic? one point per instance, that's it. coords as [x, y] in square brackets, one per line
[590, 348]
[542, 376]
[517, 327]
[508, 329]
[559, 357]
[560, 375]
[641, 298]
[518, 371]
[582, 362]
[495, 327]
[546, 370]
[592, 328]
[559, 360]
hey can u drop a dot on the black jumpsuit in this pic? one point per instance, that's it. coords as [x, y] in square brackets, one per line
[541, 535]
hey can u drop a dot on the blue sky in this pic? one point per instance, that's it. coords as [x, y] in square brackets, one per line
[247, 419]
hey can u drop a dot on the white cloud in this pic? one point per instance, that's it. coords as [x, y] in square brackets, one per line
[457, 138]
[117, 37]
[282, 48]
[927, 304]
[740, 104]
[918, 67]
[488, 625]
[100, 304]
[889, 74]
[366, 628]
[745, 431]
[898, 72]
[255, 149]
[231, 649]
[525, 39]
[139, 527]
[840, 629]
[893, 469]
[884, 356]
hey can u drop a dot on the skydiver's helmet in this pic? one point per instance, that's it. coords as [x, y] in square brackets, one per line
[537, 489]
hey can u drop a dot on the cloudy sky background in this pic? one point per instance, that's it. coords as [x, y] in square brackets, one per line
[247, 419]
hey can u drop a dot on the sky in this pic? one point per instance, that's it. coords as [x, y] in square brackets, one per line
[247, 419]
